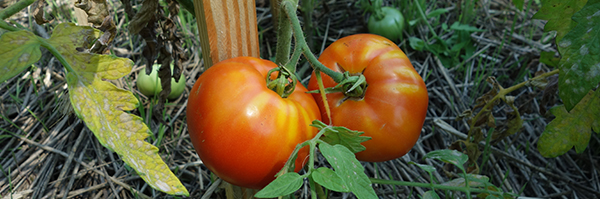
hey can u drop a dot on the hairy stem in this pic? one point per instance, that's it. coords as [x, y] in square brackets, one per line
[11, 10]
[436, 186]
[290, 10]
[284, 39]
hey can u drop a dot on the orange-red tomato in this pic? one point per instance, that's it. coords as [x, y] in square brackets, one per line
[394, 105]
[243, 131]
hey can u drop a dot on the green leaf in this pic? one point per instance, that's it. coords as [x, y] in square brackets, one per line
[436, 12]
[580, 63]
[464, 27]
[349, 169]
[19, 50]
[416, 43]
[329, 179]
[427, 168]
[342, 135]
[519, 4]
[454, 157]
[430, 195]
[571, 128]
[549, 59]
[102, 106]
[285, 184]
[558, 14]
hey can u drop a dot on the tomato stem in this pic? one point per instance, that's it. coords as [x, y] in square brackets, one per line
[284, 39]
[284, 84]
[13, 9]
[290, 10]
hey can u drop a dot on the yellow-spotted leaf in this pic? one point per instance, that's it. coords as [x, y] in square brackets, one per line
[103, 106]
[19, 50]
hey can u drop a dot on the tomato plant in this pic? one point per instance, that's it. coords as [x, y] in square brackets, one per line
[149, 85]
[243, 131]
[387, 22]
[392, 108]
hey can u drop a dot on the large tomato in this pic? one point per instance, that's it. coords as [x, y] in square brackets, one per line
[243, 131]
[393, 108]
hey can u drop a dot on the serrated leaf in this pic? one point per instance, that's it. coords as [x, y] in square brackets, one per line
[19, 50]
[285, 184]
[454, 157]
[558, 13]
[352, 173]
[580, 62]
[571, 128]
[102, 106]
[342, 135]
[329, 179]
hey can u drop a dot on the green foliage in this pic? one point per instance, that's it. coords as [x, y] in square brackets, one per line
[349, 169]
[347, 174]
[571, 128]
[341, 135]
[100, 104]
[283, 185]
[558, 14]
[329, 179]
[580, 62]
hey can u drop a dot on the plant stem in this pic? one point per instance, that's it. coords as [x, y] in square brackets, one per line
[290, 11]
[435, 186]
[284, 39]
[11, 10]
[502, 93]
[56, 54]
[7, 26]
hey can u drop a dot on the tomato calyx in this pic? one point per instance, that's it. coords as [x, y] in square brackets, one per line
[353, 86]
[285, 82]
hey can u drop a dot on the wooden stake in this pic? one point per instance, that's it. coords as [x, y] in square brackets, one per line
[227, 29]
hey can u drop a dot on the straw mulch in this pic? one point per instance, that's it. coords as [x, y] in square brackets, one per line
[56, 156]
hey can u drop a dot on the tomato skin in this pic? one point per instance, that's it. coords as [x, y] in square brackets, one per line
[150, 84]
[243, 131]
[390, 26]
[394, 106]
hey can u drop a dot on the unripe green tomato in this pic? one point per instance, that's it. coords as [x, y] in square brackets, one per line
[390, 25]
[149, 85]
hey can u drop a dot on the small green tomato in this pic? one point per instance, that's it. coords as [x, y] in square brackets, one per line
[149, 85]
[388, 23]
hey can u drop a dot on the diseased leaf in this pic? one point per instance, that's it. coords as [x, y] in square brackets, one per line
[571, 128]
[19, 50]
[580, 62]
[558, 14]
[349, 169]
[285, 184]
[102, 106]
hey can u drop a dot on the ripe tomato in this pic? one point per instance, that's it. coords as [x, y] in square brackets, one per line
[243, 131]
[394, 105]
[390, 24]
